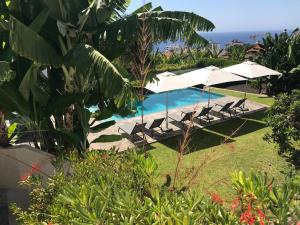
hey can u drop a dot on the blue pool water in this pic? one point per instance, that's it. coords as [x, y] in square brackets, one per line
[157, 102]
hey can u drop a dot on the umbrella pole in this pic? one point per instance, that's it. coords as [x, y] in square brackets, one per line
[245, 94]
[208, 96]
[167, 111]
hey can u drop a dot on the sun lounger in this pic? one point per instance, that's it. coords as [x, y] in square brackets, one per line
[156, 123]
[132, 129]
[222, 109]
[240, 105]
[203, 114]
[181, 118]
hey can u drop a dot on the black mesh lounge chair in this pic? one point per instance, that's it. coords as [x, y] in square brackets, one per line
[156, 123]
[221, 109]
[204, 114]
[181, 118]
[132, 129]
[240, 105]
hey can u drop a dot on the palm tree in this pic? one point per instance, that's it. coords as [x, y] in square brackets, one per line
[62, 53]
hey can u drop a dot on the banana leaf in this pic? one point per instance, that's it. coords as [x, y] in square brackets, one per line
[84, 58]
[6, 74]
[29, 44]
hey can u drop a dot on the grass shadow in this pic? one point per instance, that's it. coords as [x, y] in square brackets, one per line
[200, 139]
[241, 125]
[216, 134]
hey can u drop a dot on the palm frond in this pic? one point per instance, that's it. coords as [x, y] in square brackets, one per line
[197, 22]
[86, 58]
[6, 74]
[163, 26]
[12, 101]
[145, 8]
[29, 44]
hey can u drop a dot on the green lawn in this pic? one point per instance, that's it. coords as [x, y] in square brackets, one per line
[210, 162]
[252, 97]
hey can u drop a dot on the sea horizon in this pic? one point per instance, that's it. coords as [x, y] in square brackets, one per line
[223, 38]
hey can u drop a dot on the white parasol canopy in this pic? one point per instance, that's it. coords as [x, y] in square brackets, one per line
[167, 81]
[210, 76]
[251, 70]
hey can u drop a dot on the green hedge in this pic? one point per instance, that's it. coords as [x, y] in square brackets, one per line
[204, 62]
[201, 63]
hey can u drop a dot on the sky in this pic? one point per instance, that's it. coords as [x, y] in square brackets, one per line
[237, 15]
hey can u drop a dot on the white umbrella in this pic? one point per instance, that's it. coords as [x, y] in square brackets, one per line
[210, 76]
[251, 70]
[167, 81]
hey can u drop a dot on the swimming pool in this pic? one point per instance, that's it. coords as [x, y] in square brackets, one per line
[178, 98]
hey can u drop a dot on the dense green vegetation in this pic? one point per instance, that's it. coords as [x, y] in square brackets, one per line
[284, 119]
[238, 52]
[58, 59]
[282, 54]
[180, 61]
[109, 188]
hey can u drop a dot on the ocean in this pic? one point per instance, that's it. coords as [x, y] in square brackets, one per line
[223, 38]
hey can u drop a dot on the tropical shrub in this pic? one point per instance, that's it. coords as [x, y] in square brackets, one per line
[57, 60]
[238, 52]
[110, 188]
[204, 62]
[260, 200]
[282, 54]
[190, 64]
[284, 120]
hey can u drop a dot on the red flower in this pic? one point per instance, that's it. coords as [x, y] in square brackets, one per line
[35, 167]
[24, 177]
[261, 217]
[235, 204]
[298, 223]
[216, 198]
[248, 217]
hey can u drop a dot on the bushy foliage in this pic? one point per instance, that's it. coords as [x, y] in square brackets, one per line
[204, 62]
[261, 200]
[284, 119]
[57, 61]
[190, 64]
[110, 188]
[282, 54]
[238, 52]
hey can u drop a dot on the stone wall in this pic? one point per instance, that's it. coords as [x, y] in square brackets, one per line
[16, 164]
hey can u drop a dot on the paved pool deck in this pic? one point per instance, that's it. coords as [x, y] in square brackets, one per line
[127, 143]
